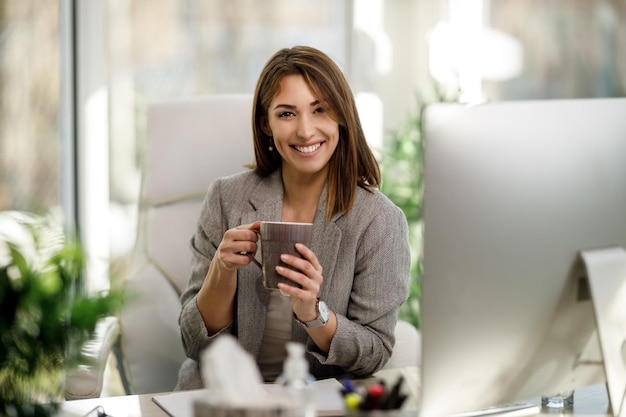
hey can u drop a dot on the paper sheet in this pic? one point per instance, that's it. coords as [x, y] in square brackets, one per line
[328, 399]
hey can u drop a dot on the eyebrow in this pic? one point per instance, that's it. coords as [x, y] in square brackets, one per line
[291, 106]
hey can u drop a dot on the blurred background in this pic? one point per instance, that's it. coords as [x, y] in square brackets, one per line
[76, 78]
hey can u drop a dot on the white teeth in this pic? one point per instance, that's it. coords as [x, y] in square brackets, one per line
[308, 149]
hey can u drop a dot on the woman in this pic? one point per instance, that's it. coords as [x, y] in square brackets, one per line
[313, 165]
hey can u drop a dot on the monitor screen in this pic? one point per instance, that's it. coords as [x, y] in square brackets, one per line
[513, 192]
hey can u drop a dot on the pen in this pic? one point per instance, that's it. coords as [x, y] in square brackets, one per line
[400, 401]
[394, 400]
[347, 385]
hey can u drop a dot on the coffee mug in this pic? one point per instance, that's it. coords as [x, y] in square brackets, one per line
[279, 238]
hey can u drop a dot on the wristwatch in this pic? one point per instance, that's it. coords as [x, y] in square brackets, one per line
[320, 320]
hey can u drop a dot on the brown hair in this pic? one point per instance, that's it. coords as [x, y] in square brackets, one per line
[353, 164]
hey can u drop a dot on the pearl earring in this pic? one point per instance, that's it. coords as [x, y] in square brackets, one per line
[271, 147]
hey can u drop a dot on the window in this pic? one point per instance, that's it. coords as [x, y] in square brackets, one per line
[30, 144]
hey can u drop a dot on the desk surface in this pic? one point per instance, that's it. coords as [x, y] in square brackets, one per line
[127, 405]
[588, 401]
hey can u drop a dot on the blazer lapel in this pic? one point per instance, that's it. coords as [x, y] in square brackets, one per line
[265, 204]
[326, 241]
[266, 200]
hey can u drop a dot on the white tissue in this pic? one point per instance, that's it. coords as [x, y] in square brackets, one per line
[231, 373]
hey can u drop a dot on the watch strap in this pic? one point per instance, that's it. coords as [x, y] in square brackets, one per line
[316, 322]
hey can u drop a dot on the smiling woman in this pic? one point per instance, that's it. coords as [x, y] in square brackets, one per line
[313, 165]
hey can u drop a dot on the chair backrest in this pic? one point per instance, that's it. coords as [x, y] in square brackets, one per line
[190, 142]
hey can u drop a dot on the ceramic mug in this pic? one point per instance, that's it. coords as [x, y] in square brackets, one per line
[279, 238]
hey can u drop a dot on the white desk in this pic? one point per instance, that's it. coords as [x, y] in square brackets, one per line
[588, 402]
[591, 401]
[122, 406]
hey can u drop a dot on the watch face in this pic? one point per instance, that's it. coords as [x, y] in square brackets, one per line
[322, 316]
[323, 309]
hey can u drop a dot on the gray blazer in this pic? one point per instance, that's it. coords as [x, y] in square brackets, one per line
[365, 258]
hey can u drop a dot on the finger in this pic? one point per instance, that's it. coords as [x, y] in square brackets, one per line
[243, 233]
[235, 246]
[230, 259]
[295, 276]
[235, 258]
[302, 265]
[239, 243]
[254, 228]
[297, 294]
[250, 226]
[309, 255]
[310, 285]
[302, 299]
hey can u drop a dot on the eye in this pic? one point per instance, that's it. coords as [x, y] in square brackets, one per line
[285, 114]
[320, 109]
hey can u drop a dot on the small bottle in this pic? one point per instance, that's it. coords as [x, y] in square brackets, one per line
[297, 382]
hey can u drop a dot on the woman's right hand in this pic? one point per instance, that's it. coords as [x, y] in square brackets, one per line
[216, 297]
[232, 253]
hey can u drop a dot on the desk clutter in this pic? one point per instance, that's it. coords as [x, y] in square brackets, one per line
[234, 388]
[328, 400]
[373, 396]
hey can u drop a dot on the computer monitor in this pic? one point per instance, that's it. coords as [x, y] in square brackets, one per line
[513, 192]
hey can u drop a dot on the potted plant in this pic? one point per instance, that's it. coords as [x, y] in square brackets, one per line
[402, 168]
[44, 317]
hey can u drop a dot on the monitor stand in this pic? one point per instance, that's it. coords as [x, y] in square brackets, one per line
[606, 272]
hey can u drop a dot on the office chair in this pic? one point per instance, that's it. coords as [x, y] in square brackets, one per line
[190, 143]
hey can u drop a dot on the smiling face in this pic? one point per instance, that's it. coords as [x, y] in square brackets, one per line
[304, 134]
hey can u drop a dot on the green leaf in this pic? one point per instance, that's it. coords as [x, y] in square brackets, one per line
[42, 313]
[402, 170]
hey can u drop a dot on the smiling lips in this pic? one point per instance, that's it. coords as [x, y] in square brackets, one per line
[308, 149]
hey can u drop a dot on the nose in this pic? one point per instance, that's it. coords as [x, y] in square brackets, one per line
[306, 126]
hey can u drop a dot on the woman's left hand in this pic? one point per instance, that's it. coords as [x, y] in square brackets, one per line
[309, 275]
